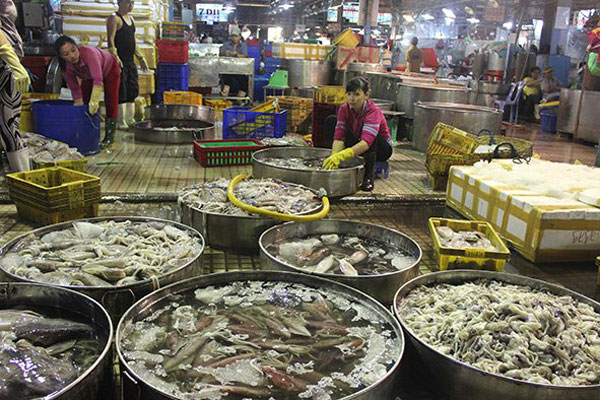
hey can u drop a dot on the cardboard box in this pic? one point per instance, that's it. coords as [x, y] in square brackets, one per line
[367, 54]
[344, 56]
[541, 228]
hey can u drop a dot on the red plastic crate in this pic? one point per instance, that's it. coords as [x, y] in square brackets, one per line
[320, 113]
[173, 51]
[221, 153]
[253, 42]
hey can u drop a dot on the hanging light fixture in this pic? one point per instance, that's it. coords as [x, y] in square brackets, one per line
[408, 18]
[448, 13]
[427, 17]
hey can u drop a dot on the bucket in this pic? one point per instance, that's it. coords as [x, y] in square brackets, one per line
[61, 120]
[346, 39]
[548, 121]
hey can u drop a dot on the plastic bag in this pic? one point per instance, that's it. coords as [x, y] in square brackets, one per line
[593, 65]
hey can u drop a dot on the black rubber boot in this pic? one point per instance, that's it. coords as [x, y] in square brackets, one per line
[367, 184]
[110, 127]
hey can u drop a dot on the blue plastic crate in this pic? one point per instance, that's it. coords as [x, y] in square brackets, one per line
[548, 121]
[61, 120]
[272, 61]
[172, 77]
[253, 51]
[240, 123]
[260, 81]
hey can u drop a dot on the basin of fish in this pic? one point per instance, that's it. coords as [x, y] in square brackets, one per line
[345, 254]
[261, 339]
[102, 252]
[42, 352]
[532, 333]
[268, 194]
[305, 164]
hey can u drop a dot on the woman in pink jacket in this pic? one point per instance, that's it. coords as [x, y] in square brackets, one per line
[97, 69]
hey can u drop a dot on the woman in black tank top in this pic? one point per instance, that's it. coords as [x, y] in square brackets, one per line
[121, 43]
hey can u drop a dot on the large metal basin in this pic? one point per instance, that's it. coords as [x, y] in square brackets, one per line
[456, 378]
[408, 94]
[307, 72]
[116, 299]
[382, 287]
[96, 382]
[384, 105]
[176, 115]
[337, 183]
[237, 233]
[485, 93]
[383, 85]
[146, 131]
[467, 117]
[136, 388]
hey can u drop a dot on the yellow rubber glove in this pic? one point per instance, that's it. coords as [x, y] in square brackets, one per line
[20, 75]
[333, 161]
[141, 59]
[113, 51]
[78, 102]
[338, 146]
[95, 99]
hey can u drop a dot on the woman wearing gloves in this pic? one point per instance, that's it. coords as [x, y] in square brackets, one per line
[98, 70]
[361, 129]
[121, 43]
[14, 80]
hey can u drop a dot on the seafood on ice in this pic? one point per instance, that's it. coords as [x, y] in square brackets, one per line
[341, 254]
[464, 239]
[41, 355]
[268, 194]
[261, 340]
[307, 164]
[43, 149]
[516, 331]
[104, 253]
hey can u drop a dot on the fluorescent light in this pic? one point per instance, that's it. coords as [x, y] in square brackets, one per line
[448, 13]
[286, 6]
[427, 17]
[473, 20]
[508, 25]
[408, 18]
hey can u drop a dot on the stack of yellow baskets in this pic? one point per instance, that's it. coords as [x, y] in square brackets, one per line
[450, 146]
[299, 112]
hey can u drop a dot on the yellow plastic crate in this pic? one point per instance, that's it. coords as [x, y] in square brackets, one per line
[454, 258]
[146, 83]
[40, 96]
[191, 98]
[330, 94]
[219, 105]
[25, 123]
[43, 217]
[346, 39]
[54, 188]
[75, 165]
[446, 138]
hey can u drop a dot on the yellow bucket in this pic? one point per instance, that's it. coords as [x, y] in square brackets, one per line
[346, 39]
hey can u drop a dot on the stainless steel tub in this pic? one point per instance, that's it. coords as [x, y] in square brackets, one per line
[307, 72]
[408, 94]
[229, 232]
[384, 105]
[146, 131]
[96, 382]
[337, 183]
[201, 119]
[467, 117]
[116, 299]
[382, 287]
[457, 378]
[136, 388]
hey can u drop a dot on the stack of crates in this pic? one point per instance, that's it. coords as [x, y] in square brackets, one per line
[300, 111]
[272, 64]
[55, 194]
[254, 52]
[327, 101]
[173, 72]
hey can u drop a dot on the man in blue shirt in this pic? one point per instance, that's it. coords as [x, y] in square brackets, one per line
[234, 47]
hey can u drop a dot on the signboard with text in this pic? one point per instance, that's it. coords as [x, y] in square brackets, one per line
[211, 13]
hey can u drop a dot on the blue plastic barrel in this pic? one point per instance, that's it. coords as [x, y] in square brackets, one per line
[548, 119]
[61, 120]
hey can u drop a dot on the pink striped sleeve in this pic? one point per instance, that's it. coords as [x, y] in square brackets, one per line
[341, 126]
[370, 128]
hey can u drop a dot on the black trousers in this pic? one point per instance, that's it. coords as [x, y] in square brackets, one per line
[129, 88]
[380, 150]
[236, 83]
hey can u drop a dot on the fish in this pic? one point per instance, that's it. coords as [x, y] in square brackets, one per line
[347, 268]
[517, 331]
[358, 257]
[254, 347]
[330, 239]
[271, 194]
[464, 239]
[325, 265]
[47, 331]
[105, 253]
[11, 318]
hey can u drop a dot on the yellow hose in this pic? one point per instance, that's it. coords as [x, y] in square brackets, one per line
[273, 214]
